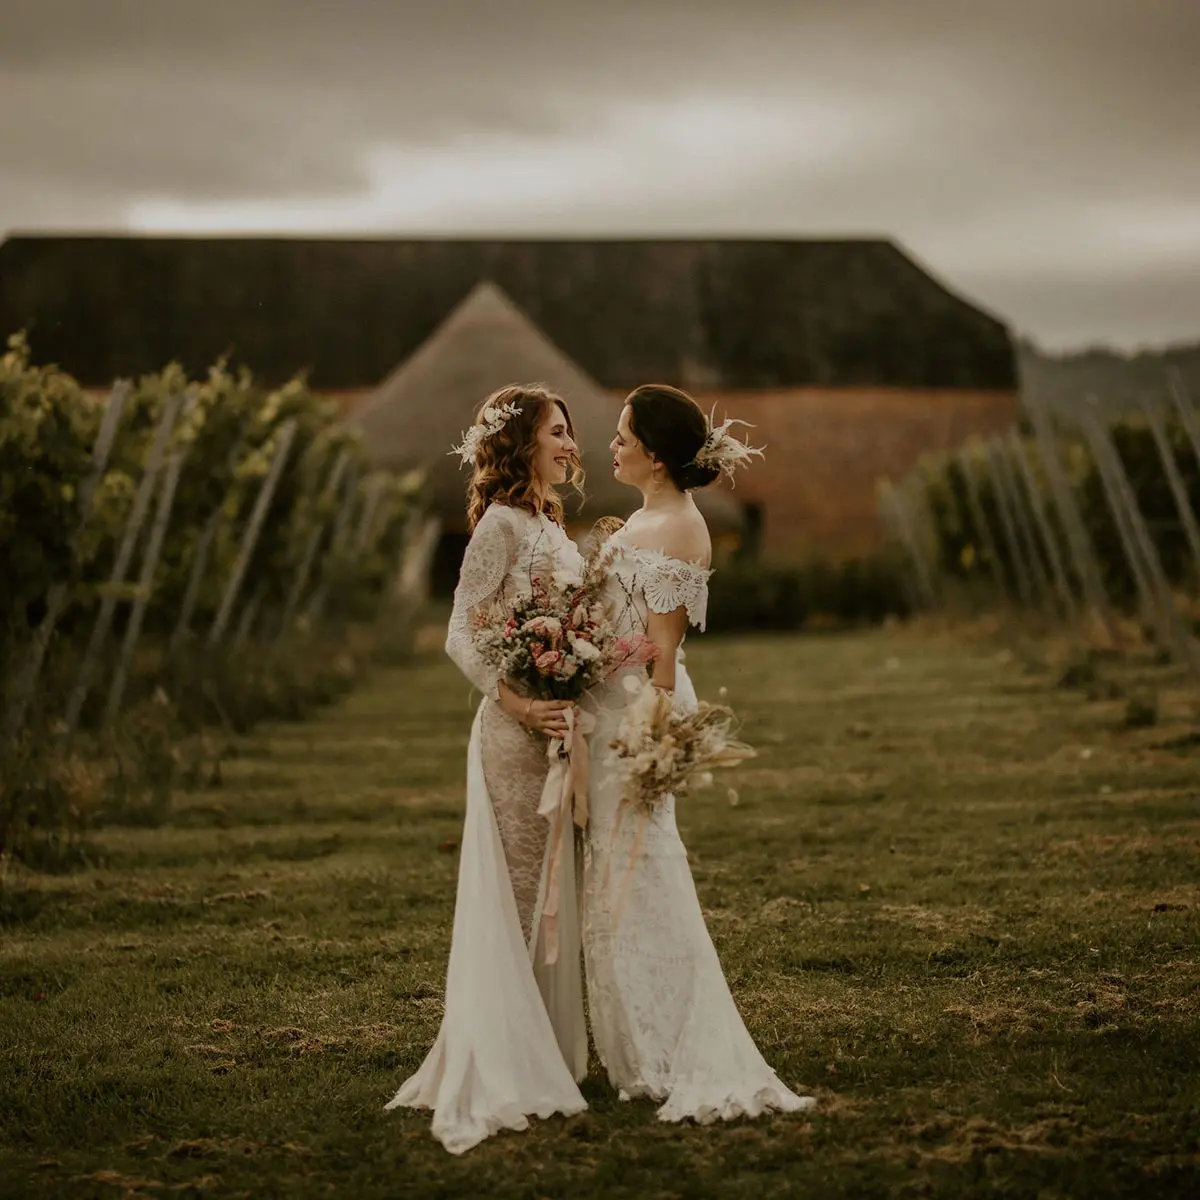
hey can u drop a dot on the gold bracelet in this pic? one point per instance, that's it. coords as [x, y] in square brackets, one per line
[528, 710]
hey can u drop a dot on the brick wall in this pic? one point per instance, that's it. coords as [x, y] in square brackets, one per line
[826, 448]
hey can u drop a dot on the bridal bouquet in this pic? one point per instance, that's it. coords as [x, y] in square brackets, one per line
[558, 642]
[555, 644]
[660, 750]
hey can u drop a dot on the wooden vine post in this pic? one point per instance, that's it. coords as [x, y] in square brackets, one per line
[902, 522]
[1139, 547]
[1039, 581]
[145, 589]
[111, 595]
[1186, 410]
[1009, 527]
[1175, 481]
[1062, 584]
[980, 521]
[336, 551]
[309, 556]
[1079, 543]
[262, 502]
[56, 599]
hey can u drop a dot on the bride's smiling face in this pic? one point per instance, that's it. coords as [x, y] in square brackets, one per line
[556, 452]
[631, 462]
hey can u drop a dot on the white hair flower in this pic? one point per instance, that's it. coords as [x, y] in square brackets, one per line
[491, 421]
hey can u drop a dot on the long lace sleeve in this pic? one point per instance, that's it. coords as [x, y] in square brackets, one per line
[490, 554]
[670, 582]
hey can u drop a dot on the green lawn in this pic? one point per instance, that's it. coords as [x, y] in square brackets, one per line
[958, 903]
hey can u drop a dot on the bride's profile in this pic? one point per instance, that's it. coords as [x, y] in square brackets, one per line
[664, 1023]
[513, 1040]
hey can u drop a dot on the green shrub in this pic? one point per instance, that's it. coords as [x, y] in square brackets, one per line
[47, 801]
[1140, 458]
[780, 596]
[962, 547]
[331, 514]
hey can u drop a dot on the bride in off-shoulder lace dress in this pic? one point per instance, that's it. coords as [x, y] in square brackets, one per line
[664, 1022]
[513, 1040]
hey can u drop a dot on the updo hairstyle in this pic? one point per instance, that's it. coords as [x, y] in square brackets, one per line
[671, 426]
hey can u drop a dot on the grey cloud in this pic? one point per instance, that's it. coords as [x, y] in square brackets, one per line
[176, 132]
[985, 129]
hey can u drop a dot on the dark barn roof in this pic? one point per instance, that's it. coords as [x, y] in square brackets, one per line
[721, 313]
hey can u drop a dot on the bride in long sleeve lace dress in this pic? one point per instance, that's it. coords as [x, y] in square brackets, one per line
[513, 1041]
[664, 1022]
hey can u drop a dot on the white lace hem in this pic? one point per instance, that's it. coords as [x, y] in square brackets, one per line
[705, 1108]
[460, 1131]
[497, 1057]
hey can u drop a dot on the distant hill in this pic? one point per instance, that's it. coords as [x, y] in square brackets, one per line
[1063, 381]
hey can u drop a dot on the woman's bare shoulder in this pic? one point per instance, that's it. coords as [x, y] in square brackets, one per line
[677, 535]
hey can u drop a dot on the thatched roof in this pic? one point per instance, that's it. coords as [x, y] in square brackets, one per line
[421, 409]
[720, 313]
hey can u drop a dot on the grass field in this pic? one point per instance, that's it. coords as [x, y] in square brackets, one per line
[956, 901]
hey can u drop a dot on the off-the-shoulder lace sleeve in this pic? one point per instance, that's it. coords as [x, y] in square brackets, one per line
[670, 582]
[490, 554]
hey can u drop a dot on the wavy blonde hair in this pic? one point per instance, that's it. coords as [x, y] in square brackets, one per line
[503, 471]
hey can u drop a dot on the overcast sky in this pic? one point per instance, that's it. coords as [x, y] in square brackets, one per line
[1041, 157]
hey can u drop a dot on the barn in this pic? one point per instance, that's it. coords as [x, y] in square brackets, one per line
[423, 406]
[849, 357]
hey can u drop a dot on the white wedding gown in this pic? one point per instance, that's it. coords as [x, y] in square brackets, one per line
[513, 1040]
[663, 1020]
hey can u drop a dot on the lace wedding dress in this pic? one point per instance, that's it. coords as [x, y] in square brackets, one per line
[513, 1040]
[663, 1020]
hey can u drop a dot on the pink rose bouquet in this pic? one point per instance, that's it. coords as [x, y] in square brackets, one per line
[557, 642]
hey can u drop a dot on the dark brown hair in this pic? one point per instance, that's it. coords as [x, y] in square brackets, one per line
[671, 426]
[503, 471]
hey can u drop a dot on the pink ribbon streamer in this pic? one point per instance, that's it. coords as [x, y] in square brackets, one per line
[564, 798]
